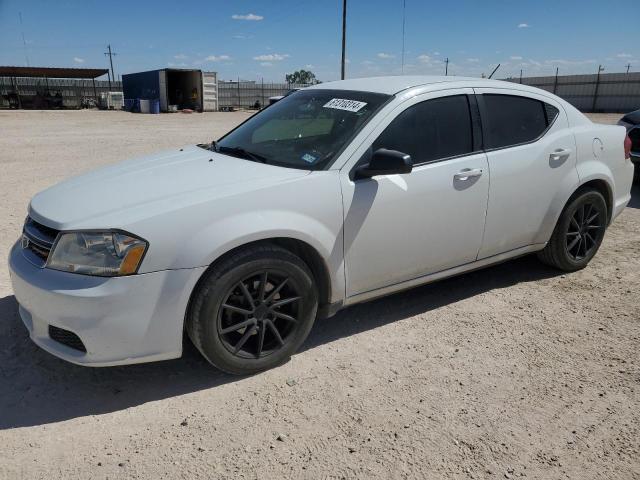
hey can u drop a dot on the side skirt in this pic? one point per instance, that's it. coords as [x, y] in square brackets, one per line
[432, 277]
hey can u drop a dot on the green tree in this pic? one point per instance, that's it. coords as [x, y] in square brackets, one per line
[301, 76]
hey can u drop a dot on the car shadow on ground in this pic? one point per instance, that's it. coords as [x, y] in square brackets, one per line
[635, 196]
[37, 388]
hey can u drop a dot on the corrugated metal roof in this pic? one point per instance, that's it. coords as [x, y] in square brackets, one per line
[50, 72]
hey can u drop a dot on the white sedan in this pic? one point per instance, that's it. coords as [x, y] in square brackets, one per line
[337, 194]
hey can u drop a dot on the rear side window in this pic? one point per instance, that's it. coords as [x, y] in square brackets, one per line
[512, 120]
[431, 130]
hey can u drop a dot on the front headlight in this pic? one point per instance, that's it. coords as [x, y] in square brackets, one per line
[104, 254]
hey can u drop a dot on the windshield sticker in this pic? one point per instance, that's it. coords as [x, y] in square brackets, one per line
[344, 104]
[307, 157]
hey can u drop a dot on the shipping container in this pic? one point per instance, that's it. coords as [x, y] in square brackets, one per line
[175, 89]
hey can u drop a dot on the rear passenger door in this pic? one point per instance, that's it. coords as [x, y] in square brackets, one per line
[532, 158]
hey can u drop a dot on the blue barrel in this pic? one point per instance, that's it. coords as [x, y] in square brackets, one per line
[154, 106]
[129, 103]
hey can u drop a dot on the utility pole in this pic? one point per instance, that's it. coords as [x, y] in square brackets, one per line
[555, 83]
[111, 54]
[344, 36]
[595, 92]
[446, 67]
[628, 67]
[404, 6]
[520, 76]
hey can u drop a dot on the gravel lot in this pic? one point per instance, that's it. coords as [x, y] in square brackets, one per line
[513, 371]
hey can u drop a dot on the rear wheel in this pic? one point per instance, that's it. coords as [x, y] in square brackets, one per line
[578, 233]
[253, 310]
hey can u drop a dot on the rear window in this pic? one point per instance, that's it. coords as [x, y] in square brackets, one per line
[512, 120]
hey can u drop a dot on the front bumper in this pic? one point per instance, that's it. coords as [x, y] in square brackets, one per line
[120, 321]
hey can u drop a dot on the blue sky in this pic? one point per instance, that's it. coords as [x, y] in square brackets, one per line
[254, 39]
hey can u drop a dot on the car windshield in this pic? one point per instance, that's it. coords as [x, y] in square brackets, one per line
[304, 130]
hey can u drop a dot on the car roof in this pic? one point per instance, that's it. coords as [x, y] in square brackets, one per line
[393, 84]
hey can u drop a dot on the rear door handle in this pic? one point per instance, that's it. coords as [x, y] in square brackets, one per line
[560, 154]
[467, 173]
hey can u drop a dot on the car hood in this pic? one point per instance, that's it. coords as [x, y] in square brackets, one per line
[146, 186]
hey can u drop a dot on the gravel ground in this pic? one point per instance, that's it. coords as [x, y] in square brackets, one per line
[513, 371]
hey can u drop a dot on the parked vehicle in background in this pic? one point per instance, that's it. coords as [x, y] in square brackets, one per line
[631, 121]
[277, 98]
[338, 194]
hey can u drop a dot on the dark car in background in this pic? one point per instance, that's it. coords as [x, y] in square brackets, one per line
[631, 121]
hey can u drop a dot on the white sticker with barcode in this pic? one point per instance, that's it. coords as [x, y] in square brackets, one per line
[344, 104]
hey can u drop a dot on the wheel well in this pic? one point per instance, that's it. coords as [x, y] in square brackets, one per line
[604, 189]
[306, 252]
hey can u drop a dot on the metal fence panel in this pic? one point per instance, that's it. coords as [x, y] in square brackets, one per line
[607, 92]
[45, 92]
[249, 94]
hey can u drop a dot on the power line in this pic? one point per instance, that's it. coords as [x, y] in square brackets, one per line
[404, 6]
[344, 36]
[24, 42]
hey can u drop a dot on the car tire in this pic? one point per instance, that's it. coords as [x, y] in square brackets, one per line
[578, 233]
[265, 291]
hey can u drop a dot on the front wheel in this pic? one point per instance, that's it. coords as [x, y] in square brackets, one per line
[578, 233]
[253, 310]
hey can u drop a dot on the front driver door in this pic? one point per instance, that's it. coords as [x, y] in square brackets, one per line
[401, 227]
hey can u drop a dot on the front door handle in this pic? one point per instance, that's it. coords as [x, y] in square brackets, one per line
[467, 173]
[560, 154]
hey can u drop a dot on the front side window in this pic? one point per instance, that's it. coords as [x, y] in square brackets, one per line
[304, 130]
[431, 130]
[512, 120]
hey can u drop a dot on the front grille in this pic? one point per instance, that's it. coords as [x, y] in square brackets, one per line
[65, 337]
[37, 241]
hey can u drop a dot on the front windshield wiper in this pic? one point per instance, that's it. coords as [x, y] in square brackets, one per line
[241, 152]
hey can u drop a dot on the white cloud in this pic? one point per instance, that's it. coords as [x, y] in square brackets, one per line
[473, 60]
[436, 53]
[271, 57]
[217, 58]
[248, 16]
[367, 62]
[180, 56]
[516, 57]
[624, 55]
[309, 66]
[385, 55]
[266, 64]
[424, 58]
[181, 64]
[78, 60]
[523, 25]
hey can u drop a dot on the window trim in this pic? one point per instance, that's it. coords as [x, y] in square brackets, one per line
[476, 134]
[484, 117]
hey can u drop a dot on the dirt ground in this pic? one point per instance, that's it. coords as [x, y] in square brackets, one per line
[513, 371]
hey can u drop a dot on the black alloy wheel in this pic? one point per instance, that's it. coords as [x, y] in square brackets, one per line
[585, 230]
[259, 314]
[253, 309]
[578, 233]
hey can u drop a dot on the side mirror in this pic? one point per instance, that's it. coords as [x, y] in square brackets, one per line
[385, 162]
